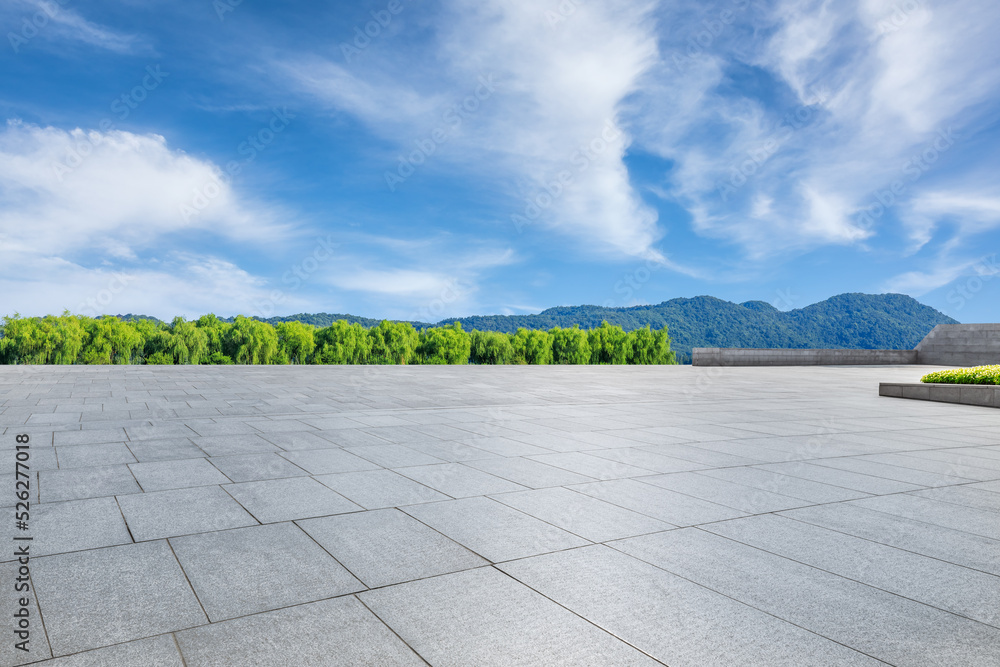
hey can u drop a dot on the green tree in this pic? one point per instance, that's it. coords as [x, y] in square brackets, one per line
[24, 341]
[195, 342]
[532, 347]
[342, 343]
[110, 341]
[608, 344]
[444, 345]
[296, 341]
[215, 330]
[491, 347]
[393, 343]
[250, 342]
[650, 347]
[569, 346]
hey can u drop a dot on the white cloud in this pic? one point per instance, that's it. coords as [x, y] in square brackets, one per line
[119, 206]
[874, 81]
[557, 88]
[53, 21]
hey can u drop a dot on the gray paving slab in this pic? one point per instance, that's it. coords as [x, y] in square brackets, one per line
[378, 489]
[841, 478]
[158, 651]
[79, 483]
[271, 501]
[459, 481]
[249, 570]
[493, 530]
[738, 496]
[299, 440]
[237, 443]
[393, 456]
[386, 547]
[898, 473]
[107, 596]
[949, 515]
[89, 437]
[151, 516]
[786, 485]
[326, 461]
[968, 496]
[581, 514]
[177, 474]
[526, 472]
[671, 619]
[861, 617]
[668, 506]
[591, 466]
[255, 467]
[339, 632]
[647, 460]
[168, 449]
[74, 525]
[483, 617]
[86, 456]
[928, 580]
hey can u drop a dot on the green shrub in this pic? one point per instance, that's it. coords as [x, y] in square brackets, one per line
[250, 342]
[647, 347]
[296, 341]
[393, 343]
[976, 375]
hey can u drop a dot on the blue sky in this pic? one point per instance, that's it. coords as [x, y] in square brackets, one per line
[421, 159]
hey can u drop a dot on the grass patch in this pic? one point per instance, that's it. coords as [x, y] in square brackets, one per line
[977, 375]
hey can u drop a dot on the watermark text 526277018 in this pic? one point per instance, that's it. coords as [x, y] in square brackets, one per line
[22, 543]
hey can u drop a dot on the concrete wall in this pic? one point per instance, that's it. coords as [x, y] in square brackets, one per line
[966, 394]
[717, 356]
[961, 345]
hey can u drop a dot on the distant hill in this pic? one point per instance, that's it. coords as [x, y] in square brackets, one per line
[852, 321]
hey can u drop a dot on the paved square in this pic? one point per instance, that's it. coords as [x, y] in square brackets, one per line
[503, 516]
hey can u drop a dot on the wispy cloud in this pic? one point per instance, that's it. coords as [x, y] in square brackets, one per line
[57, 22]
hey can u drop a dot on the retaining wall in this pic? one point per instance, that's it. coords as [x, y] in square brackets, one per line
[718, 356]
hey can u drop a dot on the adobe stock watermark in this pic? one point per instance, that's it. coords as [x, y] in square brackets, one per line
[452, 119]
[634, 281]
[900, 16]
[793, 121]
[95, 305]
[913, 170]
[122, 107]
[254, 145]
[223, 7]
[35, 23]
[562, 12]
[986, 270]
[363, 35]
[296, 276]
[435, 309]
[784, 299]
[555, 187]
[699, 41]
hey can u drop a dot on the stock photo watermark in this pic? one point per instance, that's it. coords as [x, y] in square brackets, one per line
[554, 188]
[296, 276]
[371, 30]
[452, 120]
[254, 145]
[901, 14]
[793, 121]
[33, 24]
[122, 107]
[912, 170]
[710, 29]
[986, 270]
[95, 305]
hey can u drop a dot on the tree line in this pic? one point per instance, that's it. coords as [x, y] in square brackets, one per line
[78, 339]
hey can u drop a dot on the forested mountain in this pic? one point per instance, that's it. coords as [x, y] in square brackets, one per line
[853, 321]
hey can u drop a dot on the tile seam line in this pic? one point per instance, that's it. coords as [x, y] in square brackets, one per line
[856, 581]
[748, 605]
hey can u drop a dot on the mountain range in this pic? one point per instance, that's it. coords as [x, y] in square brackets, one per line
[853, 321]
